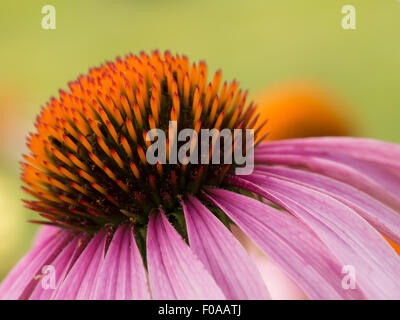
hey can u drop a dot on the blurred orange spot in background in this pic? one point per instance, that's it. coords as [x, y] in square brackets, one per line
[300, 109]
[14, 122]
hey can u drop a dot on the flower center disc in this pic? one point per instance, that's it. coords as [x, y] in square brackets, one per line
[88, 164]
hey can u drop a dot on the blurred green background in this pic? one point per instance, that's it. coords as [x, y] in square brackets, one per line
[259, 43]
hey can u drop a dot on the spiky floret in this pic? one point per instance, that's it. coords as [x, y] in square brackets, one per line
[87, 166]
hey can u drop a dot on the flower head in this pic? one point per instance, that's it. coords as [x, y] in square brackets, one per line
[121, 228]
[88, 164]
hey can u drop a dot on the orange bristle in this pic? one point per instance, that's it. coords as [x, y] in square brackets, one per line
[117, 159]
[126, 146]
[134, 170]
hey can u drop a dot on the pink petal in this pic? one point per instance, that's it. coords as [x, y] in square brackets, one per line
[286, 241]
[371, 150]
[21, 280]
[80, 282]
[379, 180]
[280, 286]
[62, 265]
[348, 236]
[385, 219]
[44, 234]
[222, 254]
[174, 271]
[122, 276]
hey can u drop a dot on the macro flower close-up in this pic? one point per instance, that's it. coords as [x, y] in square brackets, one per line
[116, 226]
[199, 159]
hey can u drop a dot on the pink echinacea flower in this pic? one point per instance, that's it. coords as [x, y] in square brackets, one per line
[120, 228]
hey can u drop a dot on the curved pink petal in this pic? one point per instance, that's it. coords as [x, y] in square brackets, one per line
[174, 271]
[347, 235]
[288, 242]
[61, 266]
[280, 285]
[22, 279]
[385, 219]
[222, 254]
[383, 174]
[80, 282]
[44, 233]
[386, 177]
[122, 276]
[382, 181]
[371, 150]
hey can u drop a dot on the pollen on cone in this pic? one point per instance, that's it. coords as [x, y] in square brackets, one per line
[89, 155]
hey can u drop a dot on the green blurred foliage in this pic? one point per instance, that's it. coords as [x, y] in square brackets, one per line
[258, 43]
